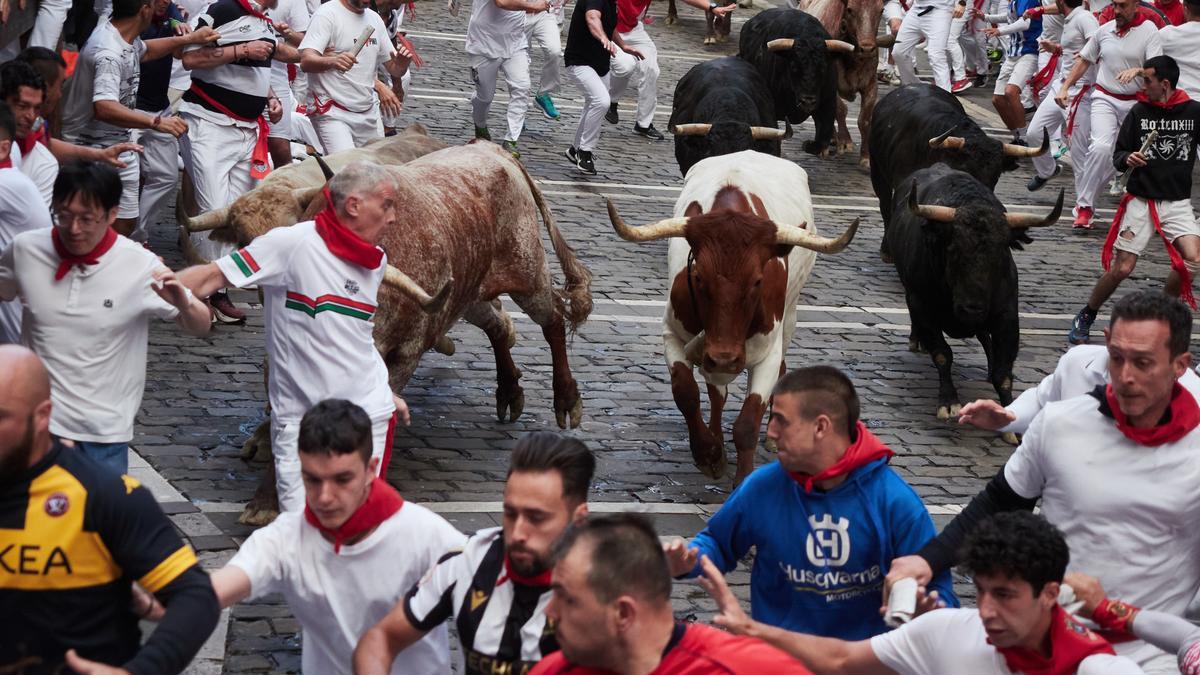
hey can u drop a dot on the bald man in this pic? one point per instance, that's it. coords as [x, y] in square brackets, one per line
[74, 536]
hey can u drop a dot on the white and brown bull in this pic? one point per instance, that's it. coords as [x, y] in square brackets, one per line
[467, 221]
[742, 244]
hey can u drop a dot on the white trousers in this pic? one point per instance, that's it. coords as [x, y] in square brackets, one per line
[1107, 114]
[1054, 119]
[934, 26]
[545, 34]
[343, 130]
[643, 75]
[484, 71]
[283, 128]
[974, 46]
[47, 28]
[160, 173]
[285, 448]
[954, 48]
[595, 104]
[217, 159]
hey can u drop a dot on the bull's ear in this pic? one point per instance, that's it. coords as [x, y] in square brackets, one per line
[783, 250]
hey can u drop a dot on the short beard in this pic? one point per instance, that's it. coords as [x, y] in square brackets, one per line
[533, 569]
[16, 460]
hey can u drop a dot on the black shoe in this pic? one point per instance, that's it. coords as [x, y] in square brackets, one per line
[585, 162]
[981, 80]
[1037, 182]
[611, 115]
[649, 132]
[1080, 333]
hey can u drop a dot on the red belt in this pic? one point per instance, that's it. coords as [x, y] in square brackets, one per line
[1074, 108]
[1119, 97]
[318, 108]
[1043, 76]
[1177, 264]
[259, 168]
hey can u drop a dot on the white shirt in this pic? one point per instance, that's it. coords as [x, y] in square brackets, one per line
[90, 328]
[1128, 511]
[41, 167]
[21, 209]
[320, 313]
[1078, 372]
[1114, 54]
[333, 25]
[336, 597]
[108, 69]
[494, 32]
[295, 14]
[1180, 43]
[949, 641]
[1079, 27]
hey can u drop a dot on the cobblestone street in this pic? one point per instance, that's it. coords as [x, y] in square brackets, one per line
[204, 396]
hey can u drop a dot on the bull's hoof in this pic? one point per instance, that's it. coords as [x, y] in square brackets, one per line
[1010, 438]
[722, 38]
[257, 448]
[510, 405]
[671, 19]
[845, 147]
[915, 347]
[945, 412]
[444, 346]
[257, 514]
[575, 413]
[714, 469]
[864, 163]
[710, 40]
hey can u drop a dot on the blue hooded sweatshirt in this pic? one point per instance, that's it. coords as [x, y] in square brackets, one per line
[821, 557]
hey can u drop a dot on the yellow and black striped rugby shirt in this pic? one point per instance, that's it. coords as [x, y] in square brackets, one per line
[73, 536]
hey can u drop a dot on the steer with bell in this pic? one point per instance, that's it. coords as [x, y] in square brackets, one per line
[742, 244]
[952, 240]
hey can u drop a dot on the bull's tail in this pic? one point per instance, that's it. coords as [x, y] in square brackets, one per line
[574, 300]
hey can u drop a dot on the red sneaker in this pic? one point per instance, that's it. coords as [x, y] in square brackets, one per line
[962, 85]
[1083, 217]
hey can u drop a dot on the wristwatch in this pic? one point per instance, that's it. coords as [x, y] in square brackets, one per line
[713, 5]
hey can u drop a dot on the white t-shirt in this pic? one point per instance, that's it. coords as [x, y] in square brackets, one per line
[41, 166]
[337, 597]
[1182, 43]
[108, 69]
[333, 25]
[1128, 512]
[320, 313]
[295, 14]
[21, 209]
[1079, 27]
[1113, 54]
[90, 328]
[495, 32]
[947, 641]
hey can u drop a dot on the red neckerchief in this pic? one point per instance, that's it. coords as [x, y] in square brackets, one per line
[382, 503]
[1177, 263]
[67, 260]
[6, 163]
[1070, 643]
[249, 9]
[865, 450]
[542, 579]
[1178, 96]
[1043, 77]
[343, 242]
[1185, 416]
[32, 139]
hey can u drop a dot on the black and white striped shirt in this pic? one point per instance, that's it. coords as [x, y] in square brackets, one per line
[240, 86]
[501, 623]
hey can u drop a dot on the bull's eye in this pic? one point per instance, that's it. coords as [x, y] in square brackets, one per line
[758, 284]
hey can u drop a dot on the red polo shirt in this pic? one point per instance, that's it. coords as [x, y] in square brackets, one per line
[628, 12]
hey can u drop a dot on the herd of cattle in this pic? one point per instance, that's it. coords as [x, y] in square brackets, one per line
[742, 238]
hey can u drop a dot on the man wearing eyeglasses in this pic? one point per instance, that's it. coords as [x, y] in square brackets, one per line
[87, 295]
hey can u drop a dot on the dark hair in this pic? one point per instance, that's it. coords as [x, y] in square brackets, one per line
[1072, 3]
[1018, 545]
[827, 391]
[47, 62]
[96, 183]
[548, 451]
[123, 9]
[1157, 306]
[8, 124]
[627, 557]
[336, 427]
[1165, 68]
[17, 74]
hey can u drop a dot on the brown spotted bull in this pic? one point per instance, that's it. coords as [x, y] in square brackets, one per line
[742, 244]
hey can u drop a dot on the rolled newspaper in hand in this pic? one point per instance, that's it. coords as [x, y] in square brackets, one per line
[902, 603]
[362, 41]
[1146, 145]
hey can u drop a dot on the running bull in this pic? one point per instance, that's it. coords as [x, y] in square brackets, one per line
[467, 225]
[795, 56]
[919, 125]
[722, 107]
[952, 242]
[742, 245]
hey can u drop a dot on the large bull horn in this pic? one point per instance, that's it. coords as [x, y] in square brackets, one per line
[405, 284]
[885, 41]
[1013, 150]
[797, 236]
[769, 133]
[1023, 220]
[204, 222]
[691, 129]
[671, 227]
[780, 45]
[839, 47]
[947, 141]
[942, 214]
[324, 167]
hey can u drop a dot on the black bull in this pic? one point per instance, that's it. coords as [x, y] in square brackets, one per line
[795, 56]
[721, 107]
[951, 240]
[919, 125]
